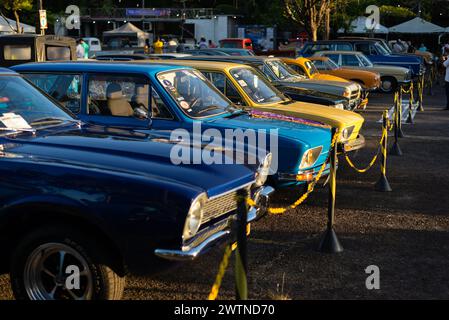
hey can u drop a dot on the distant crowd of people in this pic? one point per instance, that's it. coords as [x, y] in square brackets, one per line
[172, 45]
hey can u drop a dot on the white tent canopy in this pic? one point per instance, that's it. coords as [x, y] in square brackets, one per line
[128, 30]
[417, 25]
[359, 26]
[6, 25]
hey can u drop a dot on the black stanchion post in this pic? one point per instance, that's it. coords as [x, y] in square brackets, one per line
[329, 242]
[241, 260]
[395, 149]
[383, 185]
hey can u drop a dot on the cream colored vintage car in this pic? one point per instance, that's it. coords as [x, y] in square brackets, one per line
[390, 76]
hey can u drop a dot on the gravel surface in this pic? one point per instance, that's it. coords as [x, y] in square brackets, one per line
[404, 233]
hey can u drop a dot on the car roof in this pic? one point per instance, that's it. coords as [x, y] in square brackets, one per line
[213, 65]
[238, 59]
[318, 58]
[5, 71]
[95, 66]
[340, 52]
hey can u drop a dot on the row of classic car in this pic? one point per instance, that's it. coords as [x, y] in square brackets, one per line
[95, 186]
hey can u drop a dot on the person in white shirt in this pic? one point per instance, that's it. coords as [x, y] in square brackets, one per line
[446, 78]
[79, 50]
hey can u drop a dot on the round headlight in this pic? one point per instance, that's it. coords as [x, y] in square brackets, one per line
[194, 217]
[340, 106]
[264, 170]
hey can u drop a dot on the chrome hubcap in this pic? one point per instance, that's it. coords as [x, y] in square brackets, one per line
[51, 273]
[387, 85]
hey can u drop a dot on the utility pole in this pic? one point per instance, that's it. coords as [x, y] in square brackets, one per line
[41, 8]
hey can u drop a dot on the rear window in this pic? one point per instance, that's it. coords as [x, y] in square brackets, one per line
[58, 53]
[94, 42]
[17, 52]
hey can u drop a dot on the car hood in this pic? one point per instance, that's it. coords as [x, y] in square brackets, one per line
[125, 152]
[333, 87]
[311, 92]
[307, 135]
[385, 69]
[331, 116]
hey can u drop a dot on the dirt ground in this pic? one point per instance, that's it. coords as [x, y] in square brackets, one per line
[405, 233]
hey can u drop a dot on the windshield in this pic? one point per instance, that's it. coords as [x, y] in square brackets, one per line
[255, 86]
[365, 61]
[385, 46]
[381, 49]
[23, 107]
[194, 95]
[311, 67]
[331, 65]
[281, 70]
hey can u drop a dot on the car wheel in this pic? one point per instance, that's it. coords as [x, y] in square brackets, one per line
[60, 263]
[388, 84]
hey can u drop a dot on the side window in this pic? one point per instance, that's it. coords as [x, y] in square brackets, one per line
[233, 94]
[319, 64]
[119, 96]
[218, 79]
[344, 47]
[334, 57]
[159, 109]
[65, 88]
[363, 47]
[298, 69]
[350, 60]
[373, 50]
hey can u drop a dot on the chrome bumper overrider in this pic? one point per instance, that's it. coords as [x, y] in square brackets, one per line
[217, 233]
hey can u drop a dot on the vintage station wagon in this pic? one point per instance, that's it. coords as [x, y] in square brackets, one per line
[149, 96]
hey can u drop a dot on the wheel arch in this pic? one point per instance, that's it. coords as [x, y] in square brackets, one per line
[18, 220]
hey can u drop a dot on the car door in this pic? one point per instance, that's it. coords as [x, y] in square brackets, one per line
[118, 100]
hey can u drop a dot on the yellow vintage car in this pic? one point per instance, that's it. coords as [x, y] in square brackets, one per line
[306, 68]
[369, 80]
[247, 87]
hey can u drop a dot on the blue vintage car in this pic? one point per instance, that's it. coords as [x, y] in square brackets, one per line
[371, 48]
[99, 202]
[179, 97]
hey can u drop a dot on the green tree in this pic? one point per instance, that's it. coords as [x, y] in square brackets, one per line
[17, 6]
[309, 13]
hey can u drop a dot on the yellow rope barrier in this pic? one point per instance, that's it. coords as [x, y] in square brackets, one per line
[373, 161]
[310, 188]
[221, 272]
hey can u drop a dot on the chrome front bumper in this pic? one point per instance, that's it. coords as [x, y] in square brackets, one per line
[217, 233]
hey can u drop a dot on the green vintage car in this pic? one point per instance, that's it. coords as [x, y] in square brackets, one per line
[390, 76]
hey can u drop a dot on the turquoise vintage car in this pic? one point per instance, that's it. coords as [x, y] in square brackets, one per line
[165, 97]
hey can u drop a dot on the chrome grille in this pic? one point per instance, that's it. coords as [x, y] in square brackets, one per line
[219, 206]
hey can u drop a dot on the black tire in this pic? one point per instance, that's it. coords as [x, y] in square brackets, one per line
[388, 88]
[33, 274]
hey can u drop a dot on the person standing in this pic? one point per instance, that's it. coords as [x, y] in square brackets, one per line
[158, 46]
[79, 49]
[202, 44]
[86, 48]
[212, 45]
[422, 48]
[446, 77]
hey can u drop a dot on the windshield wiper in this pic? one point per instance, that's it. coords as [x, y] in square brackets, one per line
[208, 109]
[49, 121]
[18, 130]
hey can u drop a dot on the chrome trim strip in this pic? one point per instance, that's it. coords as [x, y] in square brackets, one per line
[193, 253]
[233, 190]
